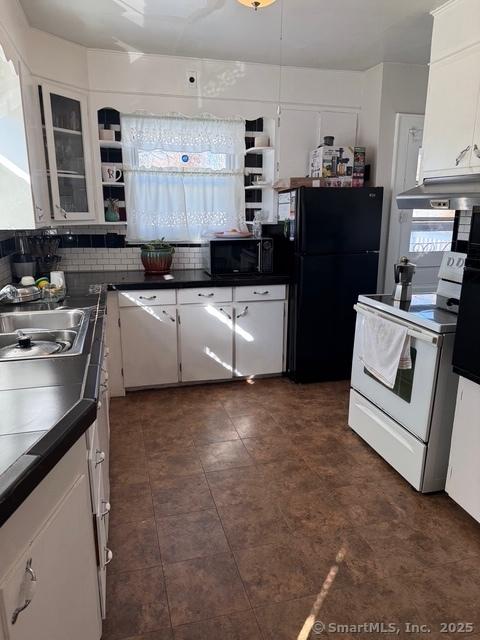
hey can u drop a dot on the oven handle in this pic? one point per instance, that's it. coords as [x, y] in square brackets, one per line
[414, 333]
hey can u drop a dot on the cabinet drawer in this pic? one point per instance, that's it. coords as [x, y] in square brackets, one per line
[204, 294]
[146, 298]
[260, 292]
[395, 444]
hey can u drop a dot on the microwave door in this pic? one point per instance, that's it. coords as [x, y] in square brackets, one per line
[234, 256]
[249, 258]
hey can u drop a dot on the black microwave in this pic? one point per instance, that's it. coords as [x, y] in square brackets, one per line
[239, 256]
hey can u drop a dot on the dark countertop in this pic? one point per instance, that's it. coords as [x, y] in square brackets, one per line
[41, 423]
[122, 280]
[44, 422]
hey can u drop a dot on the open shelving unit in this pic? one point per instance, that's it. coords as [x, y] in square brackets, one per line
[111, 153]
[258, 161]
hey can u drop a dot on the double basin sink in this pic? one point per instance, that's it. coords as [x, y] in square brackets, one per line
[60, 332]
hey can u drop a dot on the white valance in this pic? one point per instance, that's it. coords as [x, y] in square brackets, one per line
[180, 133]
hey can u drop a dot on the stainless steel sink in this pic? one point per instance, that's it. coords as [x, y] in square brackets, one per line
[50, 320]
[62, 340]
[67, 327]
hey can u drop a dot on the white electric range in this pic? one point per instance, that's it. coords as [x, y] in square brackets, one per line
[410, 425]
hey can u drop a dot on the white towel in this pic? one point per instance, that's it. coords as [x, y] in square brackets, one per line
[384, 348]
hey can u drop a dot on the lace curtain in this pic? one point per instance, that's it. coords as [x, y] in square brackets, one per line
[183, 176]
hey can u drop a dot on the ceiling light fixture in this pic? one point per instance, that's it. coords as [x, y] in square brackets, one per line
[256, 4]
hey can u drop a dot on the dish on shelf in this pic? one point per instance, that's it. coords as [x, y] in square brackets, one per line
[233, 234]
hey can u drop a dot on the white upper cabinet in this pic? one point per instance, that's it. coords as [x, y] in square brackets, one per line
[451, 111]
[475, 158]
[451, 139]
[64, 115]
[299, 134]
[36, 151]
[18, 208]
[456, 27]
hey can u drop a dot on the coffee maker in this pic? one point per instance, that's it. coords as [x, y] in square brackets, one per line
[23, 263]
[404, 271]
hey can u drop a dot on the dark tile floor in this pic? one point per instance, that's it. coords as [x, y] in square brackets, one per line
[239, 510]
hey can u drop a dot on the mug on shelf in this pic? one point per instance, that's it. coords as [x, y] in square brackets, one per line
[111, 173]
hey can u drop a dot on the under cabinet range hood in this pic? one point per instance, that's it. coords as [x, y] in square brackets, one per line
[459, 192]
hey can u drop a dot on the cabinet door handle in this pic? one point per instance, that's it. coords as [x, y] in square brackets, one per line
[476, 150]
[461, 155]
[243, 313]
[147, 297]
[99, 457]
[224, 312]
[168, 315]
[108, 556]
[107, 506]
[261, 293]
[62, 210]
[205, 295]
[27, 590]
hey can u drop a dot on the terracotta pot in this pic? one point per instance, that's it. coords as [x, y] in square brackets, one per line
[157, 261]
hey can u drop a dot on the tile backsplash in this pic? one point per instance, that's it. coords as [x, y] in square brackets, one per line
[5, 271]
[122, 259]
[103, 248]
[7, 247]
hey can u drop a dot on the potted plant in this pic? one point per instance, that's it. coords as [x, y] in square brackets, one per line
[157, 256]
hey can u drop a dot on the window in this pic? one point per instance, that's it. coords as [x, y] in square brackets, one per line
[183, 176]
[431, 231]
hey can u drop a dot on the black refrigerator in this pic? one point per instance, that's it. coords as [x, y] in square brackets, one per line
[335, 233]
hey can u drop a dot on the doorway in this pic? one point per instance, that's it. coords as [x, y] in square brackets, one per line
[421, 234]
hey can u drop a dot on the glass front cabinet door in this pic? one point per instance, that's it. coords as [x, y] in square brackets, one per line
[64, 119]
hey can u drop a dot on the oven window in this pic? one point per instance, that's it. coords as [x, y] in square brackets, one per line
[404, 381]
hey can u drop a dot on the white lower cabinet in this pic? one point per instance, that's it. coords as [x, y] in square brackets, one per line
[259, 337]
[206, 342]
[205, 336]
[57, 573]
[149, 345]
[463, 478]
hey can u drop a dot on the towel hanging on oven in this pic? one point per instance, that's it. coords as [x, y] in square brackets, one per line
[384, 348]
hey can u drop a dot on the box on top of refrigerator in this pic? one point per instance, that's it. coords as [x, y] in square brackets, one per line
[339, 165]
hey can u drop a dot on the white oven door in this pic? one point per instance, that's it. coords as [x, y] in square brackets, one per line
[411, 399]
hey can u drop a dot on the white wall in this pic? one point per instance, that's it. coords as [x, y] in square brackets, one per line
[404, 90]
[388, 89]
[369, 119]
[243, 86]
